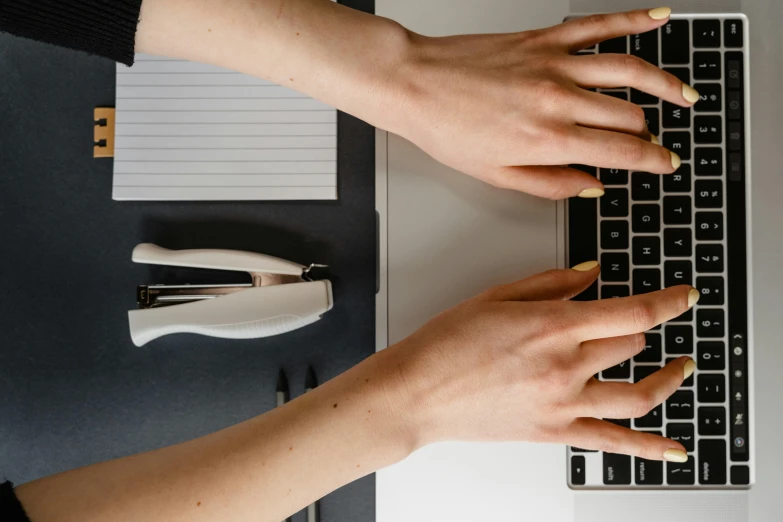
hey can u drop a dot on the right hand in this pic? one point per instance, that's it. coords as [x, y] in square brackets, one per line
[516, 363]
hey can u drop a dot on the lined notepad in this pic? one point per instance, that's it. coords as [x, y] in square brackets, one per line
[189, 131]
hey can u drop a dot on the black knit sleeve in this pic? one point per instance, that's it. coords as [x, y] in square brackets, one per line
[10, 508]
[103, 27]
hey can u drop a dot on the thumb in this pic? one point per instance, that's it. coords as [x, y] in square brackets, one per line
[552, 182]
[549, 285]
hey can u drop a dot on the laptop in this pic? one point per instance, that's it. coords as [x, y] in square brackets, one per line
[445, 237]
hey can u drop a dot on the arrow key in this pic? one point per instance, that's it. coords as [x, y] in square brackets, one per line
[578, 470]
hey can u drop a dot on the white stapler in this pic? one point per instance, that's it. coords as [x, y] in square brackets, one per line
[280, 298]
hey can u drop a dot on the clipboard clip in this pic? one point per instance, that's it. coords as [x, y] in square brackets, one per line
[103, 135]
[281, 297]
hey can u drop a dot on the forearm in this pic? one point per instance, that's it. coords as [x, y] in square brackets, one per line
[261, 470]
[335, 54]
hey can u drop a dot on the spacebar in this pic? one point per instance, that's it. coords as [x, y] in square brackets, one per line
[582, 236]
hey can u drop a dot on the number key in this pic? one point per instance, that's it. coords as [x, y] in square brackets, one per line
[709, 226]
[709, 97]
[679, 339]
[709, 161]
[711, 355]
[710, 322]
[711, 290]
[709, 258]
[709, 193]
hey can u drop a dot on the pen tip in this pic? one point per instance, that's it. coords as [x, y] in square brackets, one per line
[310, 380]
[282, 382]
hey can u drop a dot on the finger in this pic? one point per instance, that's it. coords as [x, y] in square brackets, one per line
[590, 30]
[595, 434]
[623, 70]
[552, 182]
[600, 111]
[615, 150]
[622, 400]
[630, 315]
[549, 285]
[600, 354]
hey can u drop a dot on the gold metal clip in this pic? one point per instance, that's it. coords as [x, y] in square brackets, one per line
[103, 146]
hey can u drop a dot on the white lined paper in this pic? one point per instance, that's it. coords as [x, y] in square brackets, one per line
[190, 131]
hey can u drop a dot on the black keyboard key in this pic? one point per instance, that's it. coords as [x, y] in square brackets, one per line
[620, 371]
[732, 33]
[648, 472]
[683, 433]
[591, 294]
[707, 65]
[617, 469]
[612, 291]
[625, 423]
[679, 339]
[675, 42]
[676, 117]
[617, 45]
[687, 383]
[645, 186]
[709, 259]
[615, 268]
[614, 235]
[711, 355]
[643, 371]
[652, 117]
[680, 405]
[614, 177]
[646, 250]
[709, 161]
[646, 280]
[681, 473]
[709, 226]
[712, 461]
[709, 193]
[680, 181]
[740, 475]
[710, 322]
[677, 210]
[653, 419]
[712, 420]
[711, 387]
[734, 107]
[677, 273]
[588, 169]
[709, 97]
[620, 95]
[706, 33]
[679, 142]
[646, 219]
[645, 46]
[681, 73]
[652, 349]
[711, 290]
[614, 203]
[582, 232]
[677, 242]
[582, 450]
[736, 141]
[708, 129]
[578, 473]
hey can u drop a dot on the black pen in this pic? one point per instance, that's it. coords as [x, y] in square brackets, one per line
[314, 509]
[282, 394]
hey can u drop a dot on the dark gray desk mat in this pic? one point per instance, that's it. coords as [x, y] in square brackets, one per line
[73, 388]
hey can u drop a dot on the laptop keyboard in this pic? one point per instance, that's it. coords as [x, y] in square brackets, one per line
[651, 232]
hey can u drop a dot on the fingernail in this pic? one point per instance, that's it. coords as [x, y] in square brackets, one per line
[675, 455]
[676, 161]
[591, 193]
[585, 267]
[654, 139]
[688, 368]
[689, 93]
[693, 297]
[659, 13]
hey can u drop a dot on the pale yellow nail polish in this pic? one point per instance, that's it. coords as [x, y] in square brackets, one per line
[689, 93]
[676, 161]
[693, 297]
[688, 368]
[591, 193]
[654, 139]
[659, 13]
[675, 455]
[585, 267]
